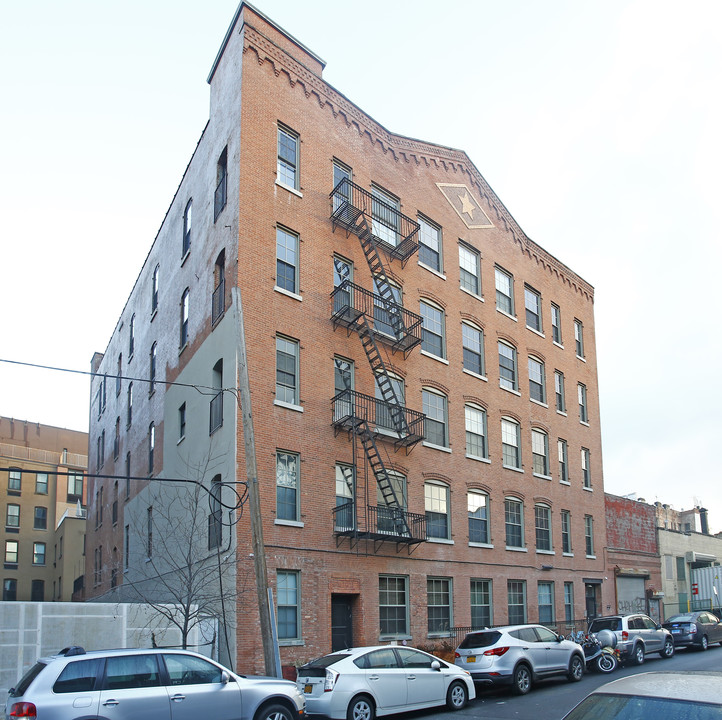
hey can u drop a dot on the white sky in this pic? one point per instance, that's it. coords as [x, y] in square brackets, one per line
[598, 124]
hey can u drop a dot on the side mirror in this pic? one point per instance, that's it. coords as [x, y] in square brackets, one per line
[659, 627]
[435, 665]
[560, 638]
[225, 678]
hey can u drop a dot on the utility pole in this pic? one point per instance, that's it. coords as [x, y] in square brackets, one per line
[259, 552]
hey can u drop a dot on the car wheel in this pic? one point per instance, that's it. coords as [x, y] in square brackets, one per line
[638, 654]
[668, 650]
[704, 644]
[457, 696]
[576, 669]
[274, 712]
[361, 708]
[521, 682]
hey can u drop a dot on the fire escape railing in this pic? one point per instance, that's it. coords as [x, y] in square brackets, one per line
[380, 522]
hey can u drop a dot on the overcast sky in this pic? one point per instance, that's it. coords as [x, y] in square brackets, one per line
[598, 124]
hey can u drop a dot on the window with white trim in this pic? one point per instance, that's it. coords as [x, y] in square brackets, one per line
[516, 601]
[438, 604]
[289, 605]
[287, 167]
[532, 305]
[586, 468]
[436, 505]
[187, 223]
[437, 422]
[566, 519]
[478, 512]
[430, 244]
[559, 391]
[184, 314]
[385, 212]
[287, 260]
[537, 380]
[432, 329]
[545, 600]
[589, 535]
[583, 410]
[514, 522]
[504, 291]
[475, 420]
[543, 526]
[508, 375]
[563, 460]
[472, 340]
[287, 370]
[579, 338]
[393, 605]
[540, 452]
[556, 324]
[287, 485]
[480, 601]
[510, 443]
[469, 269]
[568, 602]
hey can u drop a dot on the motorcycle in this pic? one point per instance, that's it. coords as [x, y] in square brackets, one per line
[599, 650]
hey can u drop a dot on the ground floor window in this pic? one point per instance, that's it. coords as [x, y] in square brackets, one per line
[393, 605]
[438, 598]
[481, 614]
[516, 598]
[288, 605]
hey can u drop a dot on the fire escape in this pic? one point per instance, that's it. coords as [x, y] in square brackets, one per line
[376, 317]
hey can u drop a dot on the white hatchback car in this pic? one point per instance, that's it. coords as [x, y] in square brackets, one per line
[361, 683]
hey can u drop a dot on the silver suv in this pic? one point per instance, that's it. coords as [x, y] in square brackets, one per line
[637, 635]
[517, 655]
[147, 685]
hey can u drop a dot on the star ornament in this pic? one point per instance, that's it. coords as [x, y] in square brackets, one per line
[465, 205]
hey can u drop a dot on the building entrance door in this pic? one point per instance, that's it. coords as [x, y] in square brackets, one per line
[590, 592]
[341, 622]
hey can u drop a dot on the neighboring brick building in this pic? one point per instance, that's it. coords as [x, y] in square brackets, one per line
[423, 377]
[633, 558]
[43, 498]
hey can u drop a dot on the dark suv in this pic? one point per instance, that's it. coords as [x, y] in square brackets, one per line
[637, 635]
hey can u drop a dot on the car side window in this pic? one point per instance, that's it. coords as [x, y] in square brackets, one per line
[649, 623]
[131, 671]
[378, 659]
[545, 635]
[189, 670]
[78, 676]
[636, 623]
[412, 659]
[525, 635]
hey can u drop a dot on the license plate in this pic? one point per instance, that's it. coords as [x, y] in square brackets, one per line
[471, 658]
[676, 630]
[308, 688]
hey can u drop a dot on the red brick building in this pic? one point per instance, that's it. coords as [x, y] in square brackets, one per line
[423, 375]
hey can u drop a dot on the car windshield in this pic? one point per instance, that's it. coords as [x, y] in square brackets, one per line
[628, 707]
[30, 675]
[325, 661]
[480, 639]
[610, 623]
[680, 618]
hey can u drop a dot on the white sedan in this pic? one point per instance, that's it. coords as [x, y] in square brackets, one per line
[361, 683]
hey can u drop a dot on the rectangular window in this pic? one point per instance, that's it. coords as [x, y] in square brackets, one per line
[681, 569]
[438, 601]
[582, 393]
[341, 173]
[537, 380]
[434, 407]
[40, 518]
[387, 319]
[119, 375]
[345, 491]
[511, 452]
[287, 370]
[221, 193]
[39, 553]
[127, 475]
[184, 314]
[516, 598]
[568, 602]
[478, 510]
[559, 391]
[149, 532]
[126, 547]
[151, 448]
[393, 605]
[41, 483]
[15, 478]
[385, 216]
[131, 337]
[187, 223]
[545, 599]
[287, 485]
[287, 157]
[286, 260]
[540, 452]
[432, 330]
[586, 469]
[289, 606]
[11, 552]
[504, 291]
[508, 376]
[469, 269]
[566, 532]
[472, 339]
[475, 418]
[514, 523]
[129, 413]
[532, 305]
[579, 338]
[182, 421]
[37, 591]
[589, 535]
[10, 590]
[12, 516]
[75, 486]
[556, 324]
[152, 362]
[481, 610]
[436, 504]
[430, 244]
[215, 516]
[384, 417]
[154, 291]
[563, 461]
[543, 527]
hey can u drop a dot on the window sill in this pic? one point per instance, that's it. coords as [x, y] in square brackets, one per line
[538, 402]
[591, 557]
[481, 545]
[579, 357]
[478, 459]
[288, 293]
[434, 357]
[545, 552]
[564, 482]
[561, 412]
[289, 406]
[293, 191]
[289, 643]
[584, 422]
[567, 554]
[185, 257]
[506, 314]
[436, 447]
[444, 634]
[514, 469]
[542, 477]
[438, 273]
[391, 638]
[588, 489]
[476, 375]
[535, 331]
[473, 294]
[559, 345]
[440, 541]
[288, 523]
[515, 549]
[509, 390]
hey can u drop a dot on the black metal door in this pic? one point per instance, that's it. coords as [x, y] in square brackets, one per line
[341, 622]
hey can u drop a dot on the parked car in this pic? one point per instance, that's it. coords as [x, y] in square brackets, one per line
[147, 685]
[361, 683]
[668, 695]
[695, 629]
[637, 636]
[518, 655]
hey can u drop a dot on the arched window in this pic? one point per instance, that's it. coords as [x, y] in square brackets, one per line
[437, 422]
[436, 504]
[514, 522]
[218, 304]
[543, 526]
[478, 510]
[475, 419]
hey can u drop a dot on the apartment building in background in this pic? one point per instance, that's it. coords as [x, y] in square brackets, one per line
[43, 498]
[423, 380]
